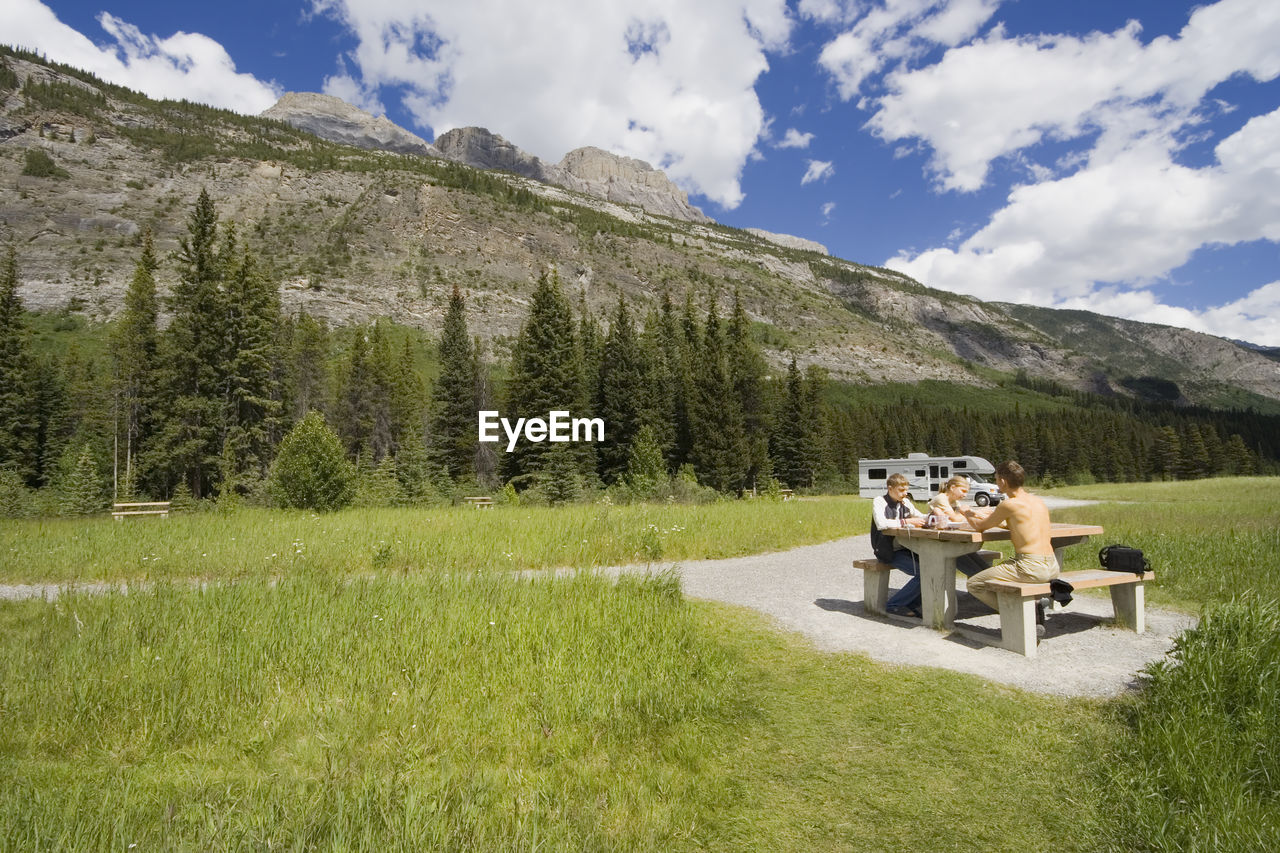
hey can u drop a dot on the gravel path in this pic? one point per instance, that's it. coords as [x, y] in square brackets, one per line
[814, 590]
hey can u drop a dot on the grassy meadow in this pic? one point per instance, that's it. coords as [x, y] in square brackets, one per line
[280, 543]
[321, 703]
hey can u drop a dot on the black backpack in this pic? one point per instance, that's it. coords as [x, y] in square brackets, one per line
[1122, 558]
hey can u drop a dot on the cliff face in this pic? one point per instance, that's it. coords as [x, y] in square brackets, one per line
[590, 171]
[336, 120]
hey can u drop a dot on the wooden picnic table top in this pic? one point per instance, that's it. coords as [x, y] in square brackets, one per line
[1058, 530]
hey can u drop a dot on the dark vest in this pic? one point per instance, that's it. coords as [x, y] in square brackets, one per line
[882, 543]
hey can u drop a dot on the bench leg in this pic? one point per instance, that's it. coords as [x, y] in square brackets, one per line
[875, 592]
[1018, 624]
[1128, 600]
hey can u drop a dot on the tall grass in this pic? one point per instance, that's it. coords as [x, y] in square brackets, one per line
[484, 713]
[262, 543]
[1207, 540]
[1200, 767]
[491, 713]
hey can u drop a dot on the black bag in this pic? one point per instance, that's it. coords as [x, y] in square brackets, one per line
[1122, 558]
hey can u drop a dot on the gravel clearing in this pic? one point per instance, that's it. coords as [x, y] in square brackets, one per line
[815, 591]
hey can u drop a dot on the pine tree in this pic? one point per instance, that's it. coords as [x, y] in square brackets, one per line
[1168, 453]
[793, 437]
[354, 411]
[194, 359]
[308, 372]
[134, 349]
[646, 468]
[747, 370]
[453, 410]
[620, 397]
[719, 443]
[19, 425]
[546, 373]
[82, 491]
[252, 398]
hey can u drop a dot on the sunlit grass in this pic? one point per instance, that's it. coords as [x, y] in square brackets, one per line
[490, 713]
[1207, 540]
[272, 543]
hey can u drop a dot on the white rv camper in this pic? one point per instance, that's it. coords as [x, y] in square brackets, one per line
[924, 473]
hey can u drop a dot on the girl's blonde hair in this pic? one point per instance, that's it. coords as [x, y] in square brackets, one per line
[954, 481]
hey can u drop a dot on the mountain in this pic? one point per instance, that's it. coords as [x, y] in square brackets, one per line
[354, 233]
[334, 119]
[590, 171]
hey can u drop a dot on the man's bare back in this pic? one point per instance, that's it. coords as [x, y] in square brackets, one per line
[1027, 519]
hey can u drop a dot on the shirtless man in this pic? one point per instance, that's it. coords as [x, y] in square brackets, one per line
[1027, 519]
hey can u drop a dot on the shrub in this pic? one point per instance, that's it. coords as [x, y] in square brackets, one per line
[16, 500]
[38, 164]
[82, 490]
[311, 471]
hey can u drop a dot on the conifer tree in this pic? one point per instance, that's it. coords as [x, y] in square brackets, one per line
[354, 411]
[719, 443]
[82, 492]
[546, 373]
[453, 410]
[661, 346]
[307, 370]
[747, 370]
[19, 450]
[485, 455]
[620, 397]
[134, 349]
[194, 358]
[1168, 453]
[253, 405]
[793, 437]
[311, 471]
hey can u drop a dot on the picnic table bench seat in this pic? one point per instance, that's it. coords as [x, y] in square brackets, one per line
[120, 510]
[1018, 601]
[479, 502]
[875, 580]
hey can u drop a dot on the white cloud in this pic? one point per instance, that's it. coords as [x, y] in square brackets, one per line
[998, 95]
[828, 209]
[795, 139]
[668, 82]
[892, 31]
[819, 170]
[183, 65]
[1125, 220]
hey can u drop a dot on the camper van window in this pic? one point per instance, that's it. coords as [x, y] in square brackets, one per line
[920, 472]
[944, 474]
[878, 473]
[960, 463]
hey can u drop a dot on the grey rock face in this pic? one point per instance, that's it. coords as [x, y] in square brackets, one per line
[337, 121]
[625, 180]
[789, 242]
[590, 171]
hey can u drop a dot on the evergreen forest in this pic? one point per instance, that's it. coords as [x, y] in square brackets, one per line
[230, 400]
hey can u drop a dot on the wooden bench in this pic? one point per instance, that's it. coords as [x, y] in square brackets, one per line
[160, 508]
[479, 502]
[787, 494]
[1018, 604]
[875, 581]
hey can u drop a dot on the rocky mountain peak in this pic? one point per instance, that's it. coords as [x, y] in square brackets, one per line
[334, 119]
[479, 147]
[626, 180]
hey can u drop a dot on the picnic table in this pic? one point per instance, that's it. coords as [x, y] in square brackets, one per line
[938, 550]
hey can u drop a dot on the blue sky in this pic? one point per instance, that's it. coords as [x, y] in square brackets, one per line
[1121, 156]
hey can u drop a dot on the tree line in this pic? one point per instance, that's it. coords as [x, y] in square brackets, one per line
[202, 407]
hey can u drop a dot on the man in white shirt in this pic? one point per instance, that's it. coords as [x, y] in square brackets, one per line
[893, 510]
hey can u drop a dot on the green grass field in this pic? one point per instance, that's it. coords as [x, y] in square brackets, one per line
[319, 702]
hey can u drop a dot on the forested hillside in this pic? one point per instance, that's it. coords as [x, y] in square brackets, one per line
[201, 406]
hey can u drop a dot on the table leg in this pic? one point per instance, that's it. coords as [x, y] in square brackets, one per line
[1061, 545]
[938, 578]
